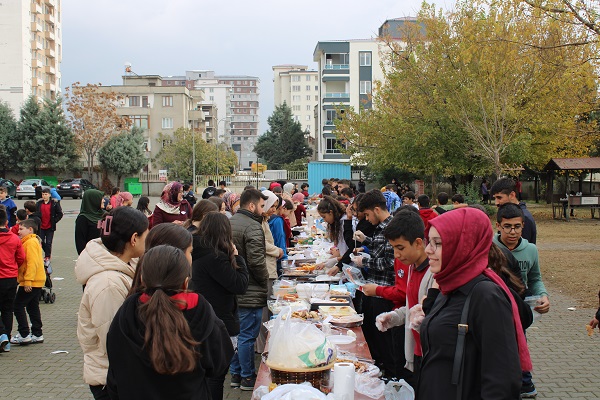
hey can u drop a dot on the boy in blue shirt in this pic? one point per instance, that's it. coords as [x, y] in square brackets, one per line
[11, 207]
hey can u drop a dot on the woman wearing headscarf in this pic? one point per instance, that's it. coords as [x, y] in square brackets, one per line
[86, 224]
[232, 203]
[126, 199]
[300, 210]
[171, 206]
[494, 348]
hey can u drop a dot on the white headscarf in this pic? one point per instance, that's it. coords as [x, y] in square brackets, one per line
[272, 199]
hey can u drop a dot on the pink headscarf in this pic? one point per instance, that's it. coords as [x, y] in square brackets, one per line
[124, 196]
[170, 193]
[298, 197]
[230, 199]
[466, 235]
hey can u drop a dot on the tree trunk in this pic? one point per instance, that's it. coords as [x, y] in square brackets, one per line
[118, 180]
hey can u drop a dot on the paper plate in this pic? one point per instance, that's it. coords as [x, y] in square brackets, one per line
[341, 339]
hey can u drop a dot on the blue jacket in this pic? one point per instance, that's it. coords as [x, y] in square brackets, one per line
[54, 194]
[11, 210]
[276, 226]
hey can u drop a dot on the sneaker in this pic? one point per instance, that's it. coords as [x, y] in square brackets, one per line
[6, 348]
[18, 339]
[3, 342]
[528, 391]
[37, 339]
[236, 380]
[248, 383]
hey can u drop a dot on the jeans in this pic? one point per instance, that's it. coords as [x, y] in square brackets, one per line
[31, 302]
[47, 235]
[243, 359]
[8, 291]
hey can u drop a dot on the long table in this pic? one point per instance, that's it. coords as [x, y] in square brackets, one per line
[358, 347]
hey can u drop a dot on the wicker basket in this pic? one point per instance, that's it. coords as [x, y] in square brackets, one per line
[316, 376]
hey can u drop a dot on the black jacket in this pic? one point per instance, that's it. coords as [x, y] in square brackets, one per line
[365, 227]
[130, 374]
[85, 230]
[215, 279]
[56, 212]
[208, 192]
[491, 367]
[529, 227]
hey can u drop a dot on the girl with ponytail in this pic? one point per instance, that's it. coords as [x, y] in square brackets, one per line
[165, 342]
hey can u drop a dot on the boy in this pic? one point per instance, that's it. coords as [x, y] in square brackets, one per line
[406, 234]
[10, 205]
[210, 190]
[31, 211]
[458, 199]
[50, 213]
[409, 198]
[426, 213]
[11, 256]
[32, 278]
[511, 223]
[391, 197]
[188, 194]
[21, 216]
[304, 189]
[504, 191]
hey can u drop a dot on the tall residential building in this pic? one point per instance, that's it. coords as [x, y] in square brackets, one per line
[347, 72]
[245, 117]
[298, 87]
[30, 50]
[159, 109]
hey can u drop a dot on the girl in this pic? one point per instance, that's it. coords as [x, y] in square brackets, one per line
[201, 208]
[143, 206]
[164, 343]
[106, 268]
[86, 224]
[114, 197]
[494, 350]
[219, 274]
[172, 207]
[219, 203]
[126, 199]
[286, 211]
[277, 226]
[232, 203]
[334, 214]
[300, 210]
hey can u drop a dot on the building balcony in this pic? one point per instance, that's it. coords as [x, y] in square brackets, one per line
[50, 35]
[36, 26]
[36, 8]
[50, 3]
[337, 66]
[49, 69]
[337, 95]
[49, 52]
[50, 18]
[50, 86]
[35, 63]
[196, 115]
[35, 45]
[36, 82]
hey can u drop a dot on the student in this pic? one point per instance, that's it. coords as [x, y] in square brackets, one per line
[304, 189]
[210, 190]
[143, 206]
[277, 226]
[165, 342]
[9, 204]
[32, 278]
[485, 193]
[223, 186]
[38, 191]
[232, 203]
[511, 224]
[300, 211]
[504, 191]
[30, 207]
[458, 199]
[286, 211]
[409, 198]
[392, 199]
[219, 273]
[50, 213]
[115, 200]
[495, 350]
[425, 211]
[406, 234]
[218, 201]
[200, 210]
[172, 207]
[54, 194]
[379, 269]
[11, 257]
[106, 268]
[188, 194]
[219, 193]
[86, 224]
[126, 199]
[334, 214]
[21, 216]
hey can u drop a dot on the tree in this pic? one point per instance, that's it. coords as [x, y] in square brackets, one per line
[284, 142]
[57, 149]
[93, 118]
[122, 154]
[177, 154]
[582, 13]
[29, 128]
[8, 139]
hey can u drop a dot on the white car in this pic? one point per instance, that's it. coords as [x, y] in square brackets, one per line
[25, 188]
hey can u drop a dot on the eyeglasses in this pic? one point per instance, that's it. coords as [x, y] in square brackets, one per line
[508, 228]
[434, 245]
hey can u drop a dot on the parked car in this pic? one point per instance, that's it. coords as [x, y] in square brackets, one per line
[74, 187]
[10, 186]
[25, 188]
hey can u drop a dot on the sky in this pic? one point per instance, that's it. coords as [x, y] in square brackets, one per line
[231, 37]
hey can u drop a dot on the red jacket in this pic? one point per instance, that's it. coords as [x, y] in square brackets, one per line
[396, 293]
[427, 214]
[11, 254]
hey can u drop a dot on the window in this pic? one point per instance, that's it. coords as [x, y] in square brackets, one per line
[316, 98]
[134, 101]
[330, 117]
[308, 117]
[211, 90]
[167, 101]
[365, 58]
[308, 97]
[307, 78]
[296, 108]
[316, 88]
[296, 78]
[166, 142]
[211, 98]
[167, 123]
[332, 146]
[307, 128]
[296, 88]
[365, 87]
[145, 101]
[308, 108]
[308, 88]
[141, 121]
[295, 98]
[316, 78]
[296, 118]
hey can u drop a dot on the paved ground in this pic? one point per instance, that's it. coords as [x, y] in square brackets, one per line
[565, 358]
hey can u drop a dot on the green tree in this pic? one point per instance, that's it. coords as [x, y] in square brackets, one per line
[8, 139]
[57, 149]
[122, 154]
[177, 155]
[284, 142]
[29, 129]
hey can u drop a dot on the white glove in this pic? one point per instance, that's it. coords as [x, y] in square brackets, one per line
[388, 320]
[415, 317]
[359, 236]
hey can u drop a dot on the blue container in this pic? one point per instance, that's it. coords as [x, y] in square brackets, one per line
[317, 171]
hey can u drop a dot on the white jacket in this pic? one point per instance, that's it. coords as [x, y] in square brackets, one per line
[107, 281]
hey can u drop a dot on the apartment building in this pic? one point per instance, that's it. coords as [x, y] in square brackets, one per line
[298, 87]
[30, 50]
[159, 109]
[347, 71]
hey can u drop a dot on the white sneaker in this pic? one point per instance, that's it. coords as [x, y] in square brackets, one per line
[18, 339]
[37, 339]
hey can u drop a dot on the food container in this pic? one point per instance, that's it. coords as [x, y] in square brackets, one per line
[312, 290]
[353, 274]
[284, 287]
[275, 306]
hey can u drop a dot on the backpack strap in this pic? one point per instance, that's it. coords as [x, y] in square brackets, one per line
[459, 354]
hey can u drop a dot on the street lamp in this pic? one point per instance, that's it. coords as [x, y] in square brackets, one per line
[217, 142]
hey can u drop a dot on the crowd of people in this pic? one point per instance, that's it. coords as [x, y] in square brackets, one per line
[174, 298]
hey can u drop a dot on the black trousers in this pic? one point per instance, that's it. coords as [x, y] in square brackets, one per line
[381, 344]
[8, 291]
[99, 392]
[47, 236]
[30, 302]
[398, 334]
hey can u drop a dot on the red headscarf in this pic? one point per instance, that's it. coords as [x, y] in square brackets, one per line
[171, 192]
[466, 235]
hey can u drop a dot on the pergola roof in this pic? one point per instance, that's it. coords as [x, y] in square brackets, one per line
[566, 164]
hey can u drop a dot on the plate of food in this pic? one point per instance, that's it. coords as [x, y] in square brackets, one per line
[341, 339]
[361, 367]
[348, 321]
[337, 311]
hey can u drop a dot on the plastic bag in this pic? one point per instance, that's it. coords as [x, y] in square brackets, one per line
[295, 344]
[353, 274]
[369, 386]
[290, 391]
[399, 391]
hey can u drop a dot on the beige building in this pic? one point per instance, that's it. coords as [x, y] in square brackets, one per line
[30, 50]
[160, 109]
[298, 87]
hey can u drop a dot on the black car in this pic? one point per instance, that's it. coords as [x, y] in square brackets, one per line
[74, 187]
[10, 186]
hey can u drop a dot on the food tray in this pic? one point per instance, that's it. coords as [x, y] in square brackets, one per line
[318, 302]
[315, 376]
[348, 322]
